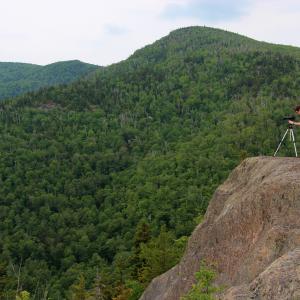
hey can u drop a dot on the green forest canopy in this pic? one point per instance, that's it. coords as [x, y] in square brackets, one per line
[19, 78]
[97, 173]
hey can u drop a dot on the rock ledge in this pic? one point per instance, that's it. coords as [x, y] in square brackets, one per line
[251, 232]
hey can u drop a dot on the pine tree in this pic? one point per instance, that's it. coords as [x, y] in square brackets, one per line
[142, 236]
[159, 255]
[203, 289]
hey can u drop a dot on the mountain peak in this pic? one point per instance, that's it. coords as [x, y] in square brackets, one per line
[183, 41]
[202, 30]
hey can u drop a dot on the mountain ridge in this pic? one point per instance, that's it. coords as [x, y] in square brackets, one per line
[210, 38]
[19, 78]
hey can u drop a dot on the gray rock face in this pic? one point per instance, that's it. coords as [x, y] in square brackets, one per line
[281, 280]
[251, 233]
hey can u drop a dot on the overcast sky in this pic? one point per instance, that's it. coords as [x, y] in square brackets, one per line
[107, 31]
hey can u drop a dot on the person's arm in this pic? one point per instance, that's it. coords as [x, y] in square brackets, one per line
[294, 123]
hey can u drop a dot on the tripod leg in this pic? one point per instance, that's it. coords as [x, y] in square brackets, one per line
[281, 141]
[293, 139]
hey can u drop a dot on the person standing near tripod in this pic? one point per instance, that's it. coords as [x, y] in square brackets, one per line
[297, 111]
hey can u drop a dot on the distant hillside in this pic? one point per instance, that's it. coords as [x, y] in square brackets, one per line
[19, 78]
[101, 180]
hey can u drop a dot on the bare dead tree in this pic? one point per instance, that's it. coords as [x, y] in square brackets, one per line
[17, 274]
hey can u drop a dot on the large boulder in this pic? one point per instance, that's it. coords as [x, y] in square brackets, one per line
[251, 233]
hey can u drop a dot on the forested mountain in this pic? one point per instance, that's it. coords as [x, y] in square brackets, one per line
[102, 180]
[19, 78]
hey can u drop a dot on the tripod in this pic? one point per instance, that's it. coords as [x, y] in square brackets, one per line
[292, 138]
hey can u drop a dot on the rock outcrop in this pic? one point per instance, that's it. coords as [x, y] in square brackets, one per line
[251, 233]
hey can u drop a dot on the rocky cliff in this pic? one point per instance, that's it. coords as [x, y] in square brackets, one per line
[251, 233]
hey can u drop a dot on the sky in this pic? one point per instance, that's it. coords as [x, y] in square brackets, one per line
[103, 32]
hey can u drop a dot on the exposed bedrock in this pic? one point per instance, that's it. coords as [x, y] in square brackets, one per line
[251, 233]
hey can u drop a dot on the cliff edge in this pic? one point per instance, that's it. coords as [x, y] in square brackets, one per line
[251, 233]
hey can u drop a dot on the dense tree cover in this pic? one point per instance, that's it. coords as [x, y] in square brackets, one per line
[19, 78]
[100, 175]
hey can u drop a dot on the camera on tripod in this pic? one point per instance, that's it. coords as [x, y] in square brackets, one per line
[290, 132]
[289, 118]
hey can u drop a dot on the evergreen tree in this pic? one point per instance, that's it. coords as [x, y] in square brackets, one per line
[142, 236]
[159, 255]
[203, 289]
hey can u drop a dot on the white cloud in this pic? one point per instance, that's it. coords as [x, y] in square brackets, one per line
[271, 21]
[103, 32]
